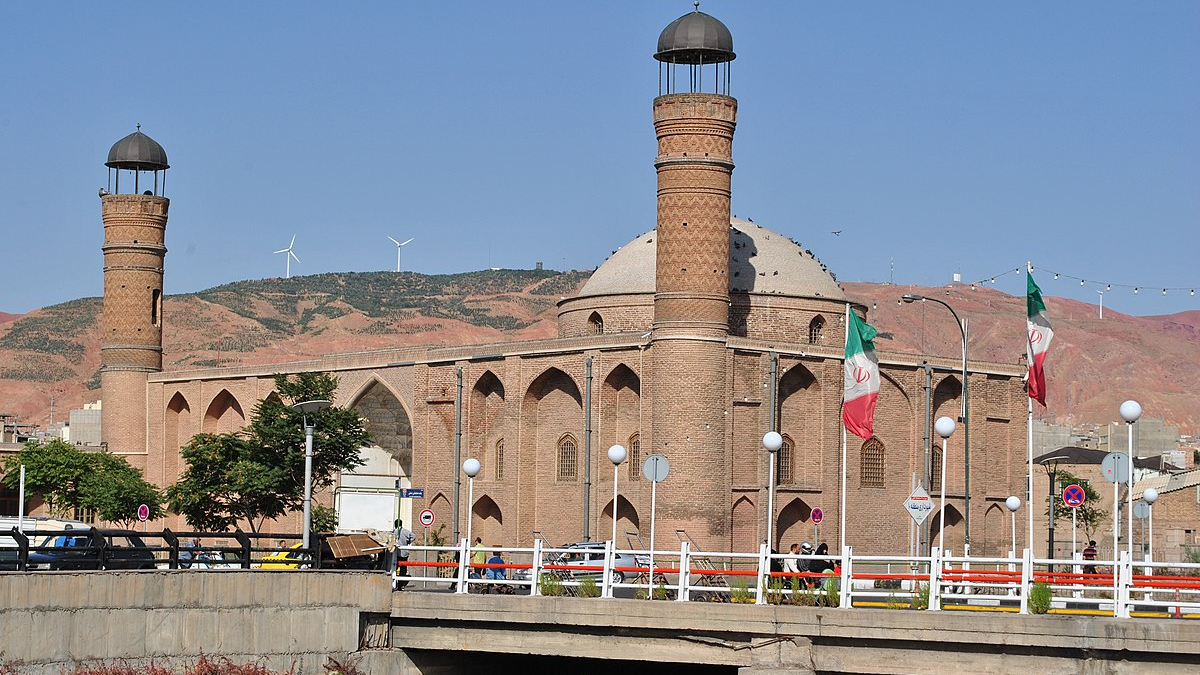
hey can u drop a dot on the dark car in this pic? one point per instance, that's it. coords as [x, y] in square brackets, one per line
[92, 549]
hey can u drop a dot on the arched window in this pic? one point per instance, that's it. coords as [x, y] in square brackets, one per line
[935, 467]
[635, 457]
[816, 330]
[872, 464]
[500, 459]
[568, 464]
[785, 462]
[597, 323]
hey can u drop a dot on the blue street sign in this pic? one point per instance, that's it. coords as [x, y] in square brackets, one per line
[1074, 496]
[412, 493]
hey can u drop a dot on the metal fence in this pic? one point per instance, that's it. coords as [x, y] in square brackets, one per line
[940, 581]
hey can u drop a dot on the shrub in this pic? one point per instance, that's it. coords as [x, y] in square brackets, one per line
[921, 597]
[833, 596]
[550, 585]
[1040, 597]
[739, 592]
[588, 588]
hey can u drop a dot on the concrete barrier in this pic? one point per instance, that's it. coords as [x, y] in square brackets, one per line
[279, 619]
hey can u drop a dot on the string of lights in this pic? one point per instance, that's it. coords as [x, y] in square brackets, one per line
[1102, 286]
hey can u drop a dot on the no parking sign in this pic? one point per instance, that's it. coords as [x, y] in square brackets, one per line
[817, 516]
[1074, 496]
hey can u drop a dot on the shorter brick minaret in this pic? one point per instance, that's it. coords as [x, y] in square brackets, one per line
[135, 226]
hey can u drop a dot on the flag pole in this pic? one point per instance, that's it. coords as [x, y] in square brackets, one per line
[842, 506]
[1029, 477]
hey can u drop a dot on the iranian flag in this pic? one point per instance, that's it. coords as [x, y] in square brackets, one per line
[861, 386]
[1040, 334]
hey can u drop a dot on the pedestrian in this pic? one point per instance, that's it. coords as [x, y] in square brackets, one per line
[478, 558]
[404, 538]
[790, 568]
[1089, 553]
[186, 555]
[821, 564]
[805, 565]
[496, 573]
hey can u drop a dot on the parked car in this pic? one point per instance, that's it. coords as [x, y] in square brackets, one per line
[588, 554]
[29, 524]
[81, 550]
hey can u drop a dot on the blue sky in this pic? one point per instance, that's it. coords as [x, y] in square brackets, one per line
[941, 137]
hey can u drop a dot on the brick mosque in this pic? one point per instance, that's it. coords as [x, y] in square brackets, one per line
[691, 342]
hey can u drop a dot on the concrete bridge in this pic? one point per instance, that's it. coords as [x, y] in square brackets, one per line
[280, 619]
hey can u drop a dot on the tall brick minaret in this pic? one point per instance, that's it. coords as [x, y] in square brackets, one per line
[135, 226]
[688, 371]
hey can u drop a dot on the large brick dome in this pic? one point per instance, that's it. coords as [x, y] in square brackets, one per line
[760, 261]
[769, 274]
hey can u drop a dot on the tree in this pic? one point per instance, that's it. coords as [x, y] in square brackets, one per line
[258, 473]
[69, 478]
[1088, 516]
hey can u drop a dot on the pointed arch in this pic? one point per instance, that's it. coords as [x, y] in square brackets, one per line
[224, 414]
[485, 415]
[954, 535]
[872, 464]
[816, 330]
[627, 518]
[596, 323]
[443, 512]
[551, 381]
[635, 457]
[568, 459]
[791, 523]
[487, 521]
[273, 396]
[800, 406]
[997, 532]
[177, 423]
[744, 516]
[620, 406]
[387, 421]
[551, 409]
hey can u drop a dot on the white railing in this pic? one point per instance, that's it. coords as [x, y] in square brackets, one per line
[939, 581]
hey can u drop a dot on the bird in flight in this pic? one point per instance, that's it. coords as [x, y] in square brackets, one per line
[836, 232]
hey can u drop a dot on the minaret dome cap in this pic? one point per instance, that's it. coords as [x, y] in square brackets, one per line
[137, 152]
[695, 38]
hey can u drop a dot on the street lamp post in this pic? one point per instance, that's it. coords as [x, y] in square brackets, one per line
[1130, 411]
[772, 442]
[1150, 495]
[1013, 503]
[1050, 464]
[471, 468]
[962, 327]
[306, 408]
[944, 427]
[616, 455]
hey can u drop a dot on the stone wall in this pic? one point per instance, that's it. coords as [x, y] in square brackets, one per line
[52, 620]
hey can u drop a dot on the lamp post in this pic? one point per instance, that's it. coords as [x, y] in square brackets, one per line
[1050, 464]
[944, 427]
[1150, 495]
[1013, 503]
[306, 408]
[1130, 411]
[471, 468]
[616, 455]
[772, 442]
[964, 419]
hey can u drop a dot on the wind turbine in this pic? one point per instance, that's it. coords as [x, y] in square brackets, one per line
[399, 245]
[289, 256]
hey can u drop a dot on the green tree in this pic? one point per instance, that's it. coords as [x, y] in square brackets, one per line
[1089, 516]
[258, 473]
[69, 478]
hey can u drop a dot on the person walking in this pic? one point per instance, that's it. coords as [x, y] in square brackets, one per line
[1089, 553]
[404, 538]
[478, 558]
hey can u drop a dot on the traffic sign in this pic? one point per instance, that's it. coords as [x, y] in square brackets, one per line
[1115, 467]
[817, 516]
[656, 468]
[426, 517]
[1074, 496]
[1141, 510]
[143, 512]
[412, 493]
[919, 505]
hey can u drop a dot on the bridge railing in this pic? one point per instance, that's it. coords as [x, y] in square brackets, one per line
[939, 581]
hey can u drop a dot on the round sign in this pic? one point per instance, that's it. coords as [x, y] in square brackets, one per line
[1115, 467]
[1141, 510]
[817, 516]
[426, 517]
[655, 469]
[143, 512]
[1074, 496]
